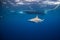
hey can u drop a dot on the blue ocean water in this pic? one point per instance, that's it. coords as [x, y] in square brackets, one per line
[14, 26]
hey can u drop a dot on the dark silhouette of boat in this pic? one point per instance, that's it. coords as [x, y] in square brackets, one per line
[32, 12]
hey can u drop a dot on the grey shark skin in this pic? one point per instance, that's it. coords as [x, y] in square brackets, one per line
[33, 12]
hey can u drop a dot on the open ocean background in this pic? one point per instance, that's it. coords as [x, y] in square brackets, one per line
[14, 26]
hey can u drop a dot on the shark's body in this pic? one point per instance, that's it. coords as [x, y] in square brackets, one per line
[36, 19]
